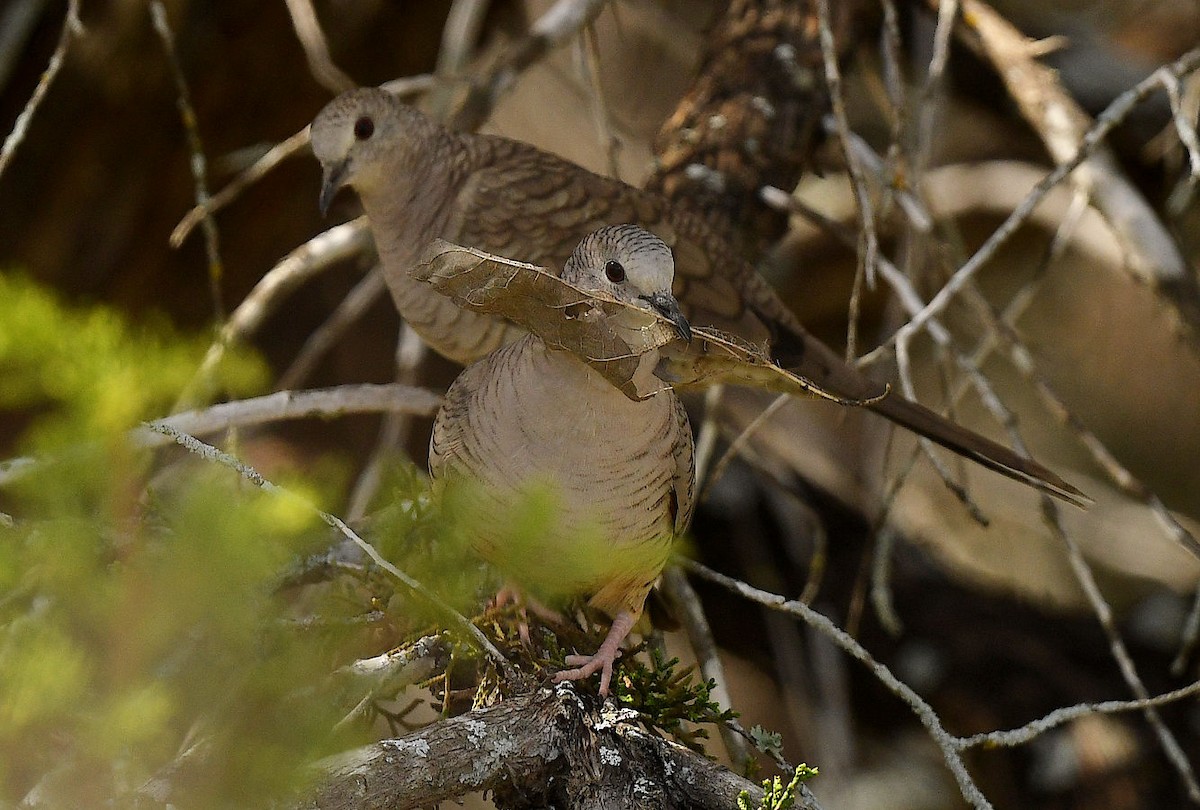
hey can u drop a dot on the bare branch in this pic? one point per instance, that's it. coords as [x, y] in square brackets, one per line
[71, 28]
[391, 671]
[298, 267]
[549, 743]
[1120, 653]
[1105, 123]
[410, 351]
[563, 20]
[695, 624]
[868, 247]
[459, 36]
[199, 165]
[1184, 126]
[316, 49]
[287, 405]
[1030, 731]
[205, 209]
[925, 713]
[1151, 252]
[323, 338]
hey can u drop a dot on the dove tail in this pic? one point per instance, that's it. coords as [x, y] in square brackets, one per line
[971, 445]
[813, 360]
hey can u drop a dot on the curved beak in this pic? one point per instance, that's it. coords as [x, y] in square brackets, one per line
[331, 183]
[665, 304]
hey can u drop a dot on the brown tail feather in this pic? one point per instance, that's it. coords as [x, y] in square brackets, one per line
[977, 448]
[813, 360]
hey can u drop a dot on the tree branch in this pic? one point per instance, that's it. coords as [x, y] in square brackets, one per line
[550, 747]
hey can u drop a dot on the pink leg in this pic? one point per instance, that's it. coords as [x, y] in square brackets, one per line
[604, 658]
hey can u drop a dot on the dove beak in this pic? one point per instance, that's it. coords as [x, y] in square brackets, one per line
[665, 304]
[331, 183]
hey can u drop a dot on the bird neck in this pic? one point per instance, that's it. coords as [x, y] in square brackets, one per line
[415, 197]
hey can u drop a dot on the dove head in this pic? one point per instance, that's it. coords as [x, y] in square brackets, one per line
[631, 265]
[367, 138]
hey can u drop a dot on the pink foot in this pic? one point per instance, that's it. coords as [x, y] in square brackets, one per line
[605, 657]
[510, 595]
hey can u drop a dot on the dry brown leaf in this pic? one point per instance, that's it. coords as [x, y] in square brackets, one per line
[584, 323]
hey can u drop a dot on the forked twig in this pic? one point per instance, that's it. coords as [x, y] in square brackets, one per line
[1113, 115]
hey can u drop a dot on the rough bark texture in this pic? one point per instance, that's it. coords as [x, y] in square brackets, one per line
[548, 748]
[752, 117]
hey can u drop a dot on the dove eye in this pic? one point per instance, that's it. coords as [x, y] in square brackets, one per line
[364, 128]
[615, 271]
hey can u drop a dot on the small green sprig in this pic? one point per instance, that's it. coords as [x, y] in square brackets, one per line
[666, 698]
[776, 795]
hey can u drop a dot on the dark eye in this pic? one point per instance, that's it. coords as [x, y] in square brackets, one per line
[615, 271]
[364, 128]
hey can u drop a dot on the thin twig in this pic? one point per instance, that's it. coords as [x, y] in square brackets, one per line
[904, 371]
[1032, 730]
[259, 169]
[912, 303]
[868, 246]
[324, 403]
[1188, 637]
[410, 352]
[198, 163]
[1113, 115]
[552, 30]
[882, 598]
[288, 148]
[1120, 653]
[1184, 127]
[1150, 250]
[589, 60]
[695, 624]
[738, 443]
[210, 453]
[999, 327]
[931, 90]
[706, 437]
[391, 671]
[924, 712]
[351, 309]
[459, 35]
[310, 259]
[71, 28]
[316, 49]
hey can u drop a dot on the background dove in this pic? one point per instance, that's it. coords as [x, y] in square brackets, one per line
[622, 471]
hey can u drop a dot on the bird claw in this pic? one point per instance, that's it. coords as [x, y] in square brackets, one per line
[603, 659]
[587, 665]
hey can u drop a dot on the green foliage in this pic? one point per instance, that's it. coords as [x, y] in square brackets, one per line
[141, 621]
[669, 700]
[769, 742]
[776, 795]
[90, 373]
[429, 541]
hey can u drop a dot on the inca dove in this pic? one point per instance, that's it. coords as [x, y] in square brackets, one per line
[418, 180]
[621, 470]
